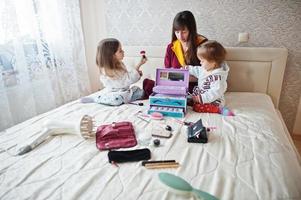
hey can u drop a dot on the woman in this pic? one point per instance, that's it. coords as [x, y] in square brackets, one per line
[182, 49]
[184, 42]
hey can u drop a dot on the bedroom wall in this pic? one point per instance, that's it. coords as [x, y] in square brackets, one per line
[297, 127]
[94, 28]
[275, 23]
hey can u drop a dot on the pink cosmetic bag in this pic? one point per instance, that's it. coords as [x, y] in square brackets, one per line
[116, 135]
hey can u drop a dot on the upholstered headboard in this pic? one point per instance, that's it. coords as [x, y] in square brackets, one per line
[251, 69]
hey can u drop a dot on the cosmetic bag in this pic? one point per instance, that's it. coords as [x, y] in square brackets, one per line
[129, 156]
[116, 135]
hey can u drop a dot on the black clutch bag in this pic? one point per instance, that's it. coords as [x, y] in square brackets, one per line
[129, 156]
[197, 133]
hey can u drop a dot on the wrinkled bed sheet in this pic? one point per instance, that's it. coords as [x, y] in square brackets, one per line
[247, 157]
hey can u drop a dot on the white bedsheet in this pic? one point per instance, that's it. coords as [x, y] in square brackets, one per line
[247, 157]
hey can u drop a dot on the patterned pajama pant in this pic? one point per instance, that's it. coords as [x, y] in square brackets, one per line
[115, 99]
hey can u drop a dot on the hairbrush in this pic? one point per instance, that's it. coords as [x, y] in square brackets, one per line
[180, 186]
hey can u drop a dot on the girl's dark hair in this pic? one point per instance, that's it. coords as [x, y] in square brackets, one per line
[212, 51]
[182, 20]
[105, 56]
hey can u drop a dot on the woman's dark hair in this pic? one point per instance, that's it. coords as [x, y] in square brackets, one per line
[182, 20]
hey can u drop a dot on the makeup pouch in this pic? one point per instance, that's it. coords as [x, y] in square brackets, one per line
[116, 135]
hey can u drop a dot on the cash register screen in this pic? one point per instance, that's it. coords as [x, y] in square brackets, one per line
[172, 76]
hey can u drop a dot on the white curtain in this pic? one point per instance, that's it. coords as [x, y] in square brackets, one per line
[42, 59]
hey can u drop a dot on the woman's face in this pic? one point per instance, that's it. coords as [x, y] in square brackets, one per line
[119, 53]
[182, 34]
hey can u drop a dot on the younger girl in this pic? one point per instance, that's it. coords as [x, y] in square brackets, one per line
[114, 75]
[208, 96]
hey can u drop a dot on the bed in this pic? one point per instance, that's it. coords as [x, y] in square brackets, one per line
[248, 156]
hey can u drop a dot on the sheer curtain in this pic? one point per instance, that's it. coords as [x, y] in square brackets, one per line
[42, 59]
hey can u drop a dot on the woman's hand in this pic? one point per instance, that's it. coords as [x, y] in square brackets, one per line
[186, 67]
[193, 78]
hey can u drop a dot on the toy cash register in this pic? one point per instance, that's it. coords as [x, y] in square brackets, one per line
[169, 93]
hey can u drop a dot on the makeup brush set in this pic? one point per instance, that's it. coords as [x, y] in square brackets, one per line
[160, 164]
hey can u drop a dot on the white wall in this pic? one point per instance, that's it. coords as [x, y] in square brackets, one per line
[94, 29]
[297, 127]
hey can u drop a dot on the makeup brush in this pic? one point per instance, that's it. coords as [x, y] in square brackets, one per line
[142, 53]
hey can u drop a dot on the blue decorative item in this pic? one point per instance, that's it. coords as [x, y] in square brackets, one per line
[183, 186]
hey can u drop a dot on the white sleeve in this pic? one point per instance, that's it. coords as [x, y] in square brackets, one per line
[216, 91]
[124, 81]
[133, 76]
[196, 71]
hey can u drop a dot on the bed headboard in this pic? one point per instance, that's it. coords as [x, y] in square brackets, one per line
[252, 69]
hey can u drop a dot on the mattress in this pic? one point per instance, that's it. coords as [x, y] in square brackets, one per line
[248, 156]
